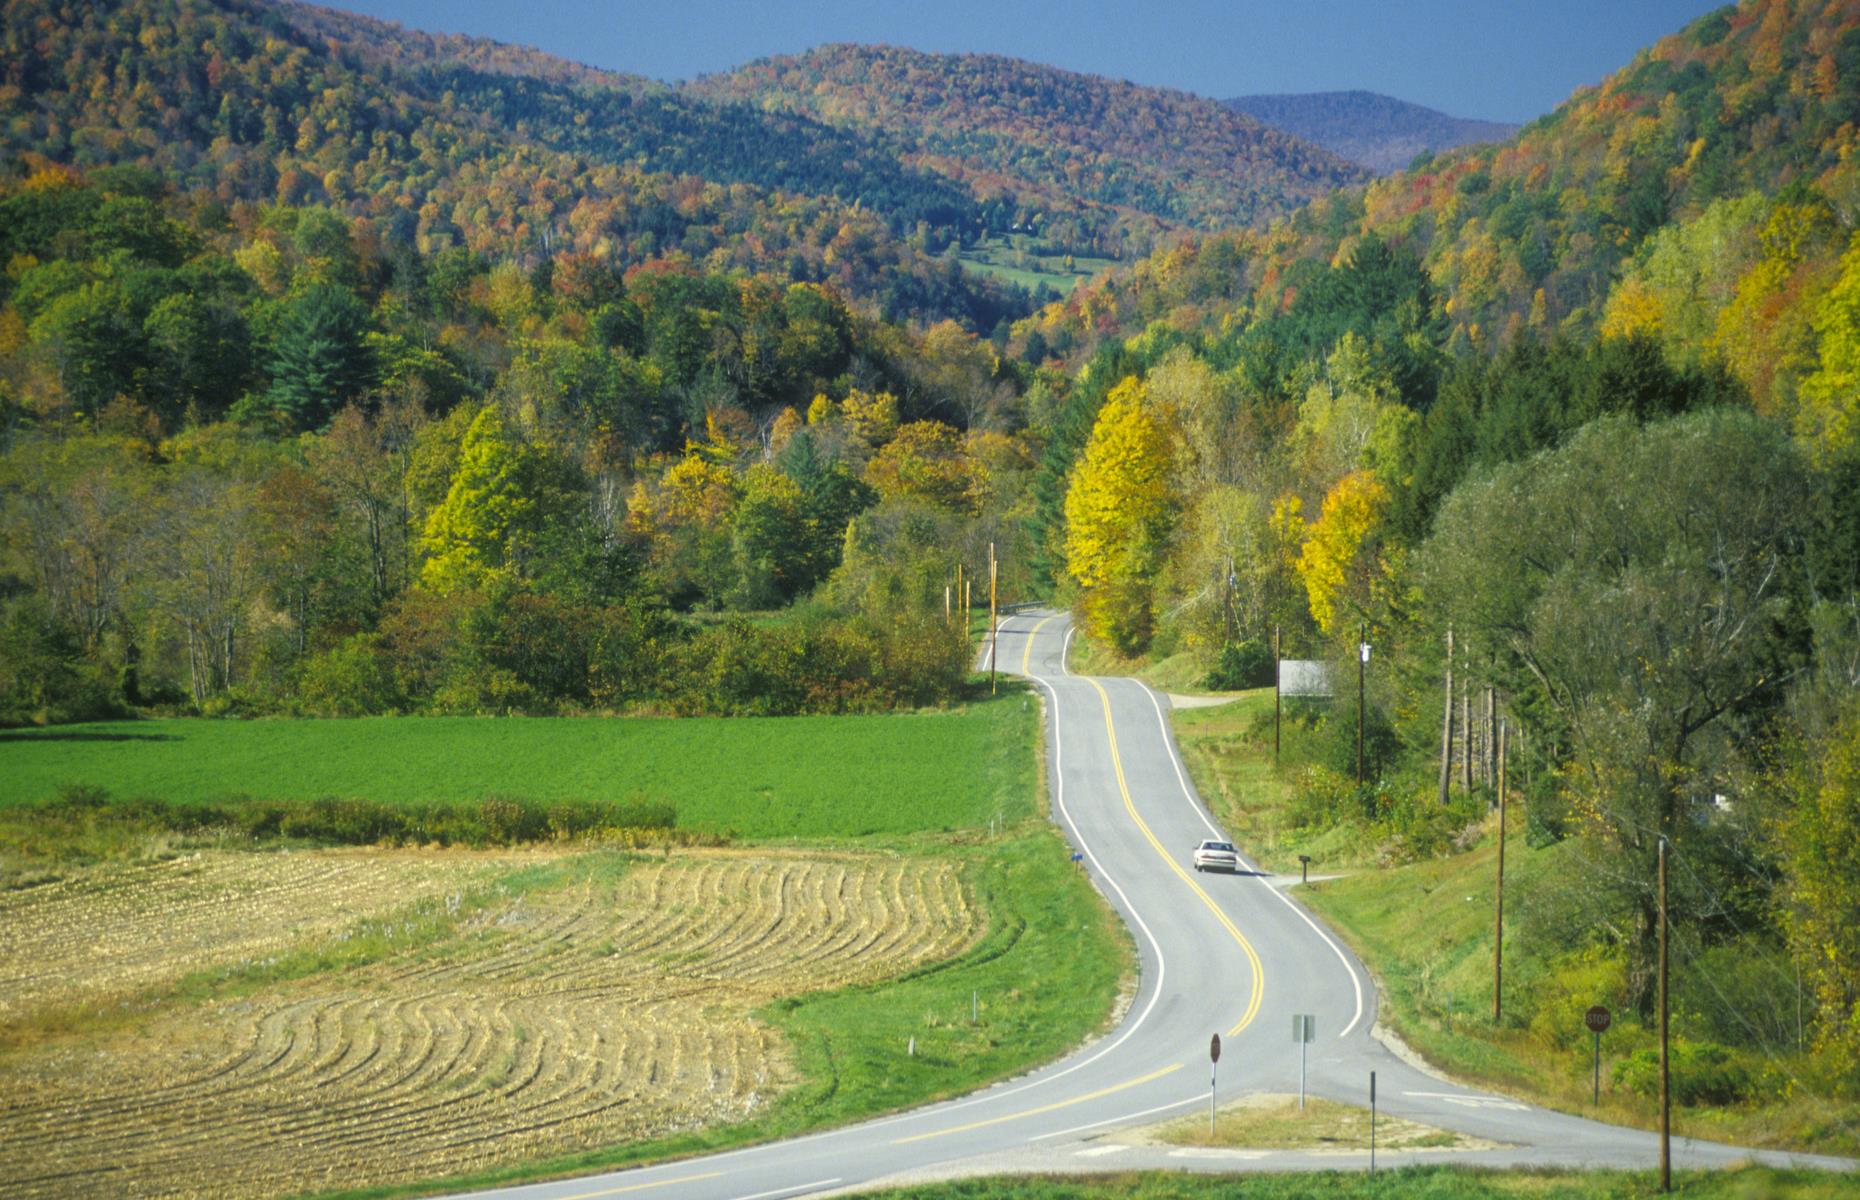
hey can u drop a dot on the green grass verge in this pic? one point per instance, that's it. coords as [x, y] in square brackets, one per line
[1229, 754]
[1406, 1183]
[766, 778]
[1042, 979]
[1181, 673]
[1425, 930]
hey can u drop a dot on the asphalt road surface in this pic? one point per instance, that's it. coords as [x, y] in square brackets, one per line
[1227, 954]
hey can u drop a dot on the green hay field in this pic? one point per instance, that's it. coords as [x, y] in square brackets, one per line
[804, 778]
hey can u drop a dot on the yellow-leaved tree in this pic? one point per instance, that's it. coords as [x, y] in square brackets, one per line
[1121, 510]
[1335, 560]
[1830, 408]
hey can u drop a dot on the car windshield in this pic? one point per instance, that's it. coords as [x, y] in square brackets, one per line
[1217, 846]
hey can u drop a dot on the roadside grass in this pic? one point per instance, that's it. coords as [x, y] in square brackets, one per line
[1425, 929]
[1228, 749]
[757, 778]
[1180, 673]
[1274, 1122]
[1404, 1183]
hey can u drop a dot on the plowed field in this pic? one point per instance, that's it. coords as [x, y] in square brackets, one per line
[603, 1004]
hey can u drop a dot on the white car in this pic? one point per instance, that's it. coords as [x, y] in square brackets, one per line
[1216, 856]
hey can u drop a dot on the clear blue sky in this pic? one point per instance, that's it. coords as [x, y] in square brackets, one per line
[1501, 59]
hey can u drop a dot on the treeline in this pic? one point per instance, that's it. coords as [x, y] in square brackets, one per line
[1652, 581]
[237, 99]
[258, 460]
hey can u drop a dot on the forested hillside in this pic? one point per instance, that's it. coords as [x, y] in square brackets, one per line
[463, 143]
[256, 458]
[1096, 166]
[1379, 132]
[1581, 407]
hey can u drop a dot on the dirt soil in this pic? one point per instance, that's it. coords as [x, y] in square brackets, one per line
[540, 1022]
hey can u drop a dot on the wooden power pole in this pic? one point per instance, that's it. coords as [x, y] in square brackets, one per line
[1498, 900]
[1446, 729]
[1666, 1079]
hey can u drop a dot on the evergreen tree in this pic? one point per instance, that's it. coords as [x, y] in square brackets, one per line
[320, 363]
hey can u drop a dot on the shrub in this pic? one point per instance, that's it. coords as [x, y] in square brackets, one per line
[1336, 740]
[1702, 1073]
[1239, 665]
[352, 679]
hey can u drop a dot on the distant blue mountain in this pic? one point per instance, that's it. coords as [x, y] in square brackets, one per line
[1375, 131]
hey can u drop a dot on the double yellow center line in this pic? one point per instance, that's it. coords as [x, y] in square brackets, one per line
[1246, 947]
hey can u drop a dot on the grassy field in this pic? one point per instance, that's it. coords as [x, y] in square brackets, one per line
[798, 778]
[1029, 262]
[616, 1006]
[1407, 1183]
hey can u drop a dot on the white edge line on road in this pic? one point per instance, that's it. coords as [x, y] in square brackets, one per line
[789, 1191]
[1148, 1112]
[1188, 794]
[1155, 994]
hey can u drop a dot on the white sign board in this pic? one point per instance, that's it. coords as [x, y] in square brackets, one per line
[1304, 677]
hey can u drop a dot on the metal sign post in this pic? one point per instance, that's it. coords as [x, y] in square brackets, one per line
[1303, 1027]
[1372, 1122]
[1597, 1019]
[1214, 1058]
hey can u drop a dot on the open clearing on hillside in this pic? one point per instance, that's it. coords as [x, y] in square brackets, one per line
[769, 777]
[267, 1024]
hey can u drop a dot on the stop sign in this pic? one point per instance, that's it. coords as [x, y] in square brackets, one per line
[1214, 1049]
[1597, 1019]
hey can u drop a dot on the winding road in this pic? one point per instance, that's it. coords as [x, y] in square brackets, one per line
[1234, 955]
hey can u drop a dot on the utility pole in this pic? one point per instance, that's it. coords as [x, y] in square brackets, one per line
[1446, 729]
[1277, 662]
[1498, 901]
[1666, 1079]
[994, 620]
[1362, 669]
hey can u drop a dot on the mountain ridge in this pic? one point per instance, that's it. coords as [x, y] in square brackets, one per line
[1158, 158]
[1397, 130]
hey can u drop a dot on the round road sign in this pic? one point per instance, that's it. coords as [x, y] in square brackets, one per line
[1214, 1049]
[1597, 1019]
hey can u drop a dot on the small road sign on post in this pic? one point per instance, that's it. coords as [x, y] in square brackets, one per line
[1214, 1058]
[1598, 1019]
[1304, 1026]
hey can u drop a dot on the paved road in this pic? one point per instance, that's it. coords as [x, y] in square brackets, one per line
[1229, 954]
